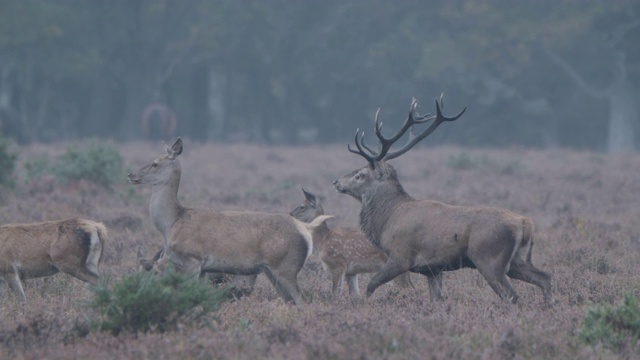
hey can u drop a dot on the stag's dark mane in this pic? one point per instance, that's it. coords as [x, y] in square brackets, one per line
[380, 200]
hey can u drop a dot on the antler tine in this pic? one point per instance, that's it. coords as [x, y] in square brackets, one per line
[360, 151]
[366, 147]
[386, 143]
[439, 119]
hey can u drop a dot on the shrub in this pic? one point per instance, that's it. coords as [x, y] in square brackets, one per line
[465, 161]
[97, 162]
[613, 326]
[37, 167]
[7, 162]
[145, 302]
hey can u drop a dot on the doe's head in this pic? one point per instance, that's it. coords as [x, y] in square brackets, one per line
[309, 209]
[161, 170]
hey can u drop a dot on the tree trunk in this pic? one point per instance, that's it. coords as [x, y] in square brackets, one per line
[623, 114]
[217, 85]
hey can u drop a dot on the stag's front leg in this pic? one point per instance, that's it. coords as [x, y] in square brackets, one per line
[435, 287]
[390, 270]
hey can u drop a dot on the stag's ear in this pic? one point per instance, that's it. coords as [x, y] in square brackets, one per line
[175, 150]
[311, 198]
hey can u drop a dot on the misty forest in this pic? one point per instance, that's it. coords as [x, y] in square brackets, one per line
[264, 97]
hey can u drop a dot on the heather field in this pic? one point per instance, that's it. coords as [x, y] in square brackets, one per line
[586, 207]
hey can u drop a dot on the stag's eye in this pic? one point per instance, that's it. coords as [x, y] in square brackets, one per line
[154, 165]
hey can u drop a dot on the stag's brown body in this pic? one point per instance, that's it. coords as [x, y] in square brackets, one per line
[429, 237]
[73, 246]
[344, 252]
[234, 242]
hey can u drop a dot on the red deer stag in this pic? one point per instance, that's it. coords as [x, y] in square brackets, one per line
[73, 246]
[344, 252]
[429, 237]
[235, 242]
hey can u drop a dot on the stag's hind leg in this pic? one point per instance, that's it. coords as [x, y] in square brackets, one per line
[494, 271]
[529, 273]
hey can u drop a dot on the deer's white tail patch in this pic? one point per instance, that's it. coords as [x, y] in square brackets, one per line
[95, 250]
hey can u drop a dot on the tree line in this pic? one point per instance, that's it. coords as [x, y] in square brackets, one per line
[541, 74]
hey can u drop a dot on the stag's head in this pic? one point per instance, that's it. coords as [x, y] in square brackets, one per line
[377, 171]
[309, 209]
[161, 170]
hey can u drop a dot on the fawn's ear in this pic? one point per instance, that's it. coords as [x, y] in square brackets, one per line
[175, 150]
[311, 198]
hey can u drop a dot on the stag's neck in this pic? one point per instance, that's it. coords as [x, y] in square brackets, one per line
[164, 206]
[378, 205]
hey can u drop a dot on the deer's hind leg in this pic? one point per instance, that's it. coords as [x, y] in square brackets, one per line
[494, 271]
[13, 280]
[529, 273]
[286, 287]
[352, 280]
[337, 279]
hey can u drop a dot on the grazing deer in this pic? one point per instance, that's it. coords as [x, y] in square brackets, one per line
[73, 246]
[429, 237]
[344, 252]
[235, 242]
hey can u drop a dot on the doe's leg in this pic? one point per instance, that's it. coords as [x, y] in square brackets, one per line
[15, 284]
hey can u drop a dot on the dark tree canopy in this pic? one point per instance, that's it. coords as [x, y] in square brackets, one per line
[536, 73]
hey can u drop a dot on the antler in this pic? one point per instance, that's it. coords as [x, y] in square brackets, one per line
[386, 143]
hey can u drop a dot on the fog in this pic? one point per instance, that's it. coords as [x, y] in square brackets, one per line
[541, 74]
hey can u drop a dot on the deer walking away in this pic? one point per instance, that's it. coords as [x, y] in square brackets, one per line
[235, 242]
[344, 252]
[429, 237]
[73, 246]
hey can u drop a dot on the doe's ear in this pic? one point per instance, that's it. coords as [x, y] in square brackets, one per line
[311, 198]
[175, 150]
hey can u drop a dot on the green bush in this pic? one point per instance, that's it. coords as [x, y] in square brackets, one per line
[37, 167]
[465, 161]
[97, 162]
[613, 326]
[146, 302]
[7, 162]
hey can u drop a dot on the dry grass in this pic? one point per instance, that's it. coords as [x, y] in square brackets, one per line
[585, 205]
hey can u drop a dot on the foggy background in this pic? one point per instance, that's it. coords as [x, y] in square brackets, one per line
[532, 73]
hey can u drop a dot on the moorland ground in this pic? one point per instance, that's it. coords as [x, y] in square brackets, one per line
[586, 207]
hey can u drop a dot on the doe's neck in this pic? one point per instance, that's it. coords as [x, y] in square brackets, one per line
[164, 206]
